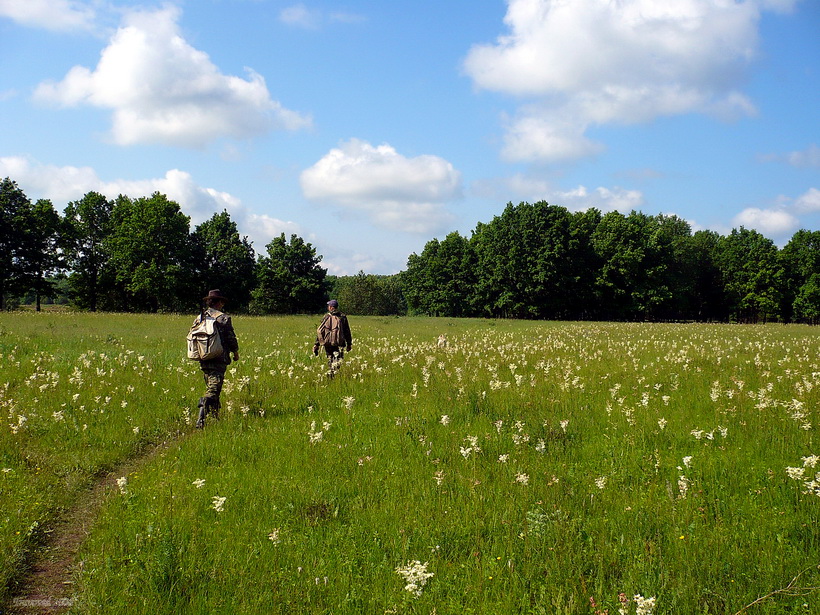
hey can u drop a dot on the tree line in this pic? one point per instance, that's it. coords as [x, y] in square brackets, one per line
[543, 261]
[535, 260]
[141, 255]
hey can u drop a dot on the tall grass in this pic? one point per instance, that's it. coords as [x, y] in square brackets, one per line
[528, 467]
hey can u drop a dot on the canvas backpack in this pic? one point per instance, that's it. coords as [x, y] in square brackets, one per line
[204, 343]
[330, 331]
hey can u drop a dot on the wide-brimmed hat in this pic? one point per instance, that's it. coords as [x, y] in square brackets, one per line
[215, 294]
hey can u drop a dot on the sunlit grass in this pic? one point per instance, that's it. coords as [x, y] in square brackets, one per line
[527, 467]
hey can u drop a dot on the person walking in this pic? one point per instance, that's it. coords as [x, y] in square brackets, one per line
[213, 371]
[333, 334]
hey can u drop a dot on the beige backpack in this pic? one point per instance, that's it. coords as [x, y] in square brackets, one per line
[330, 331]
[204, 343]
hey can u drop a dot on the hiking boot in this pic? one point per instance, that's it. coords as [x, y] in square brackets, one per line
[200, 423]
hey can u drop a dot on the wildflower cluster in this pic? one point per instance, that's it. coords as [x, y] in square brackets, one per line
[415, 576]
[811, 484]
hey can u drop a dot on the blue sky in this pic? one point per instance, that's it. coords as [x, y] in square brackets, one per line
[369, 128]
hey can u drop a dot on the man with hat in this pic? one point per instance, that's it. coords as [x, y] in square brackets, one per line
[334, 335]
[214, 370]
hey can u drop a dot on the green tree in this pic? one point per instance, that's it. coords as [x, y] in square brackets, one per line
[151, 254]
[752, 275]
[41, 255]
[800, 260]
[630, 280]
[807, 301]
[708, 300]
[368, 295]
[87, 226]
[441, 281]
[15, 220]
[225, 260]
[524, 262]
[289, 278]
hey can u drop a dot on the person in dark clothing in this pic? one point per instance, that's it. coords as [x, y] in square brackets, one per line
[333, 334]
[213, 371]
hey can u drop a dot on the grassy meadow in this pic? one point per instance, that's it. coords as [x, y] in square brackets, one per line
[523, 467]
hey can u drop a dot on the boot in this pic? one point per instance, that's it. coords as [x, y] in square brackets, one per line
[213, 406]
[203, 412]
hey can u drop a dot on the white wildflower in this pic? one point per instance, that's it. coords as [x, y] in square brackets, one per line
[687, 461]
[503, 458]
[600, 482]
[122, 483]
[564, 424]
[662, 424]
[415, 576]
[218, 503]
[199, 483]
[796, 473]
[644, 606]
[522, 478]
[444, 420]
[274, 536]
[811, 461]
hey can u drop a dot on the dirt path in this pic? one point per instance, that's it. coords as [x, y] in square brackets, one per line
[48, 586]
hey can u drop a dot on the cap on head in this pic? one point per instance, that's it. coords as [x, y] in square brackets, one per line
[333, 303]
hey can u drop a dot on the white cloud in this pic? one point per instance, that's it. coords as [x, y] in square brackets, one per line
[300, 16]
[162, 90]
[64, 184]
[769, 222]
[395, 192]
[58, 15]
[809, 157]
[808, 202]
[533, 189]
[587, 62]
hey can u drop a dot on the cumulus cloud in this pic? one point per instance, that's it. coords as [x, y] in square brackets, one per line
[57, 15]
[67, 183]
[587, 62]
[808, 202]
[162, 90]
[782, 219]
[394, 192]
[769, 222]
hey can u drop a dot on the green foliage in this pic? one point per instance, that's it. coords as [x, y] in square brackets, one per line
[224, 260]
[441, 281]
[369, 295]
[16, 245]
[151, 255]
[87, 226]
[289, 278]
[751, 274]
